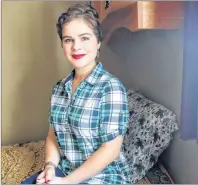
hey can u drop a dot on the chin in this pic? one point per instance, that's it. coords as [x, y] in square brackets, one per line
[79, 63]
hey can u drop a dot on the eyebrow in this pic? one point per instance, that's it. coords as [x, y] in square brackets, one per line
[78, 35]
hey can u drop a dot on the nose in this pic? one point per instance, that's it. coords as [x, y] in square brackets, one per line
[76, 45]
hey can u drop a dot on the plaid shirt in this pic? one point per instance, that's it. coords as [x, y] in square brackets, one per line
[97, 113]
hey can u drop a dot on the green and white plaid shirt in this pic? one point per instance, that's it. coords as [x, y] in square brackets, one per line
[97, 113]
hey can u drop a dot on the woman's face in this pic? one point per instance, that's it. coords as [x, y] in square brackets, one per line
[79, 43]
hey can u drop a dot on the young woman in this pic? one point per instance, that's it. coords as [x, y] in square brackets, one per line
[88, 113]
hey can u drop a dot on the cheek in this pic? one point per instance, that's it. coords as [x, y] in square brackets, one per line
[91, 48]
[66, 50]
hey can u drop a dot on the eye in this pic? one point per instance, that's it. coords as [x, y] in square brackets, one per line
[68, 40]
[84, 38]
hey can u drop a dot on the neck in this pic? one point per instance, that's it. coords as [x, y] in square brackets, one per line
[82, 73]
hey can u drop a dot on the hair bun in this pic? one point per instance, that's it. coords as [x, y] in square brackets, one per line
[86, 8]
[90, 10]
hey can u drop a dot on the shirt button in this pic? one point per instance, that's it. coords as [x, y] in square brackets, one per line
[64, 158]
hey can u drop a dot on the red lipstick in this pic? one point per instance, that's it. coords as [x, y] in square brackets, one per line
[78, 56]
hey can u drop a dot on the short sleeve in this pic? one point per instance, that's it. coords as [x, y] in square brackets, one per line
[114, 112]
[51, 102]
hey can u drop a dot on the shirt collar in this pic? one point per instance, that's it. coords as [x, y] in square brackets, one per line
[93, 77]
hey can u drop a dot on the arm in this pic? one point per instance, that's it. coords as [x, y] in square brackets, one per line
[52, 154]
[52, 151]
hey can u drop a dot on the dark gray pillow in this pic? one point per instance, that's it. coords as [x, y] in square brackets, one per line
[150, 131]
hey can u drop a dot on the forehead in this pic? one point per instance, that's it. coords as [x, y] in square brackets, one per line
[76, 27]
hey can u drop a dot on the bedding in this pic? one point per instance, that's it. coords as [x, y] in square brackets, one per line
[20, 161]
[150, 131]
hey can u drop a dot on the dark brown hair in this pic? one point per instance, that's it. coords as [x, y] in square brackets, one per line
[85, 12]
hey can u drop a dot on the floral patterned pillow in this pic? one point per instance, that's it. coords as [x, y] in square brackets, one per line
[150, 131]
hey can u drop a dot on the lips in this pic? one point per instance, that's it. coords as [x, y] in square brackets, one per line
[78, 56]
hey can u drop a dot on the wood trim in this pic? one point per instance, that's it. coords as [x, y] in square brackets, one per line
[139, 10]
[117, 19]
[104, 11]
[144, 15]
[120, 4]
[162, 14]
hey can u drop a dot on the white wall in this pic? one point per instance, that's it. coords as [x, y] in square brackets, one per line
[151, 61]
[32, 61]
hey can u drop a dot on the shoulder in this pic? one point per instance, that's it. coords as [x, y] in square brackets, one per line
[111, 83]
[57, 87]
[60, 84]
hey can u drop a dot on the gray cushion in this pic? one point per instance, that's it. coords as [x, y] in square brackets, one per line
[150, 130]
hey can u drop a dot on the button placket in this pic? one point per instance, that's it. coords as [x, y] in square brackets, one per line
[76, 93]
[68, 91]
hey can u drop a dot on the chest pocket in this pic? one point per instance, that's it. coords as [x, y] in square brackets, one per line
[84, 113]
